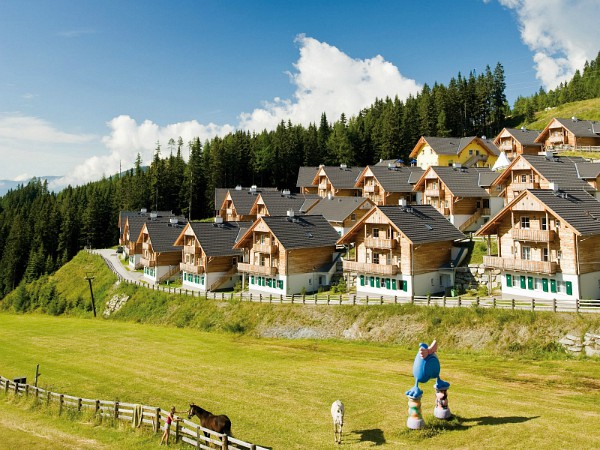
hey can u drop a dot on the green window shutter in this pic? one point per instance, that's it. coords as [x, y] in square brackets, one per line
[280, 284]
[523, 281]
[387, 283]
[545, 284]
[530, 283]
[552, 285]
[404, 285]
[362, 280]
[252, 279]
[394, 284]
[372, 281]
[569, 286]
[377, 282]
[508, 280]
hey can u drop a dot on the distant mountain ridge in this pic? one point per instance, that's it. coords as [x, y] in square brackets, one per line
[7, 185]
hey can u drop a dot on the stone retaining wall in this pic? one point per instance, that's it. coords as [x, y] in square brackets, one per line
[589, 345]
[475, 275]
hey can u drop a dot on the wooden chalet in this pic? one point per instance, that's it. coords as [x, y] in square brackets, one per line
[288, 254]
[275, 203]
[237, 203]
[540, 172]
[160, 258]
[570, 134]
[518, 141]
[460, 194]
[337, 181]
[387, 185]
[403, 251]
[342, 213]
[208, 260]
[548, 245]
[447, 151]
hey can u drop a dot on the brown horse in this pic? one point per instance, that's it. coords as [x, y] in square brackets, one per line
[220, 424]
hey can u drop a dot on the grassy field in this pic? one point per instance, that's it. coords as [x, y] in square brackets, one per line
[278, 392]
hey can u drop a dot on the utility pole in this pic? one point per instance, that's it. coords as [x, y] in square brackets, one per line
[89, 276]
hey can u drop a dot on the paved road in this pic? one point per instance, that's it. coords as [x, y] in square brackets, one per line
[111, 255]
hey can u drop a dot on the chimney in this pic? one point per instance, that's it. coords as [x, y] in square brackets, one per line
[290, 212]
[218, 219]
[402, 202]
[329, 196]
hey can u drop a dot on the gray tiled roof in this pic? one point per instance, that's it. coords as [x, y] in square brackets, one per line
[218, 239]
[123, 215]
[581, 128]
[579, 209]
[487, 178]
[278, 203]
[220, 194]
[306, 175]
[302, 231]
[137, 222]
[560, 170]
[422, 223]
[342, 177]
[244, 198]
[524, 136]
[163, 235]
[336, 209]
[463, 181]
[396, 179]
[588, 170]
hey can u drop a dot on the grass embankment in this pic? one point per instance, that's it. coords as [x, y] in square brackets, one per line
[278, 392]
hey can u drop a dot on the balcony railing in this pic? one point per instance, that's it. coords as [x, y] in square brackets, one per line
[323, 185]
[147, 262]
[260, 270]
[376, 269]
[556, 138]
[519, 186]
[265, 248]
[526, 234]
[522, 265]
[191, 268]
[370, 188]
[371, 242]
[432, 192]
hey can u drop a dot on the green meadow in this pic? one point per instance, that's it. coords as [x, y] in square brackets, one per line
[277, 392]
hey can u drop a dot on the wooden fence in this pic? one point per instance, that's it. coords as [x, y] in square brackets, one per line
[138, 415]
[534, 304]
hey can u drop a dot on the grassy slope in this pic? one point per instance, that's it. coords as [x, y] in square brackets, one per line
[585, 109]
[278, 392]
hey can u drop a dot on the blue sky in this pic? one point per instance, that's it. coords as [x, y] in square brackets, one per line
[86, 85]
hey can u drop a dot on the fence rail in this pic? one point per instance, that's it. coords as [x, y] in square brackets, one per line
[533, 304]
[139, 415]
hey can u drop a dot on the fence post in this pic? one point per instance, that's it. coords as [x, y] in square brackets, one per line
[48, 394]
[26, 390]
[96, 407]
[354, 299]
[428, 299]
[116, 410]
[328, 299]
[225, 444]
[250, 296]
[270, 298]
[198, 438]
[554, 305]
[444, 301]
[494, 302]
[577, 305]
[533, 304]
[260, 298]
[459, 301]
[512, 303]
[79, 404]
[292, 299]
[280, 298]
[156, 424]
[395, 299]
[60, 404]
[177, 425]
[340, 299]
[316, 298]
[367, 300]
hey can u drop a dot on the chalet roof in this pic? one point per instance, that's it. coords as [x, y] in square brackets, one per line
[124, 215]
[337, 209]
[394, 179]
[163, 235]
[217, 239]
[464, 181]
[575, 207]
[454, 145]
[136, 223]
[306, 175]
[560, 170]
[244, 198]
[220, 194]
[388, 162]
[524, 136]
[279, 203]
[581, 128]
[302, 231]
[421, 223]
[342, 177]
[587, 170]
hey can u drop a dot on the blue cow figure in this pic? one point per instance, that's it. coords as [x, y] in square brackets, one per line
[426, 367]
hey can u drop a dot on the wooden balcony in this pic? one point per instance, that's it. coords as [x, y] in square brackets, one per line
[376, 269]
[148, 262]
[371, 242]
[556, 139]
[265, 248]
[323, 185]
[526, 234]
[521, 265]
[371, 188]
[256, 269]
[432, 192]
[191, 268]
[518, 186]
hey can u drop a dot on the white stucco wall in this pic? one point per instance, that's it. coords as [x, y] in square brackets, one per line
[538, 292]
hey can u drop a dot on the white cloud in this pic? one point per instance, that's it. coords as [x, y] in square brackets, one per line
[563, 34]
[327, 80]
[33, 129]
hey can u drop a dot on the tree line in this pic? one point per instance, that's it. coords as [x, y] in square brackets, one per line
[42, 230]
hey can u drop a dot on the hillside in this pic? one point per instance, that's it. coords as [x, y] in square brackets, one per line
[585, 109]
[500, 332]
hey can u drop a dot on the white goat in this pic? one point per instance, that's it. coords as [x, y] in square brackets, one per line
[337, 413]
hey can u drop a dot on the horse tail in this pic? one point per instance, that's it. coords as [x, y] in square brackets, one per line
[227, 428]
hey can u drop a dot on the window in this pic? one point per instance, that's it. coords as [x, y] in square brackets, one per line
[558, 224]
[375, 258]
[545, 255]
[523, 178]
[525, 222]
[559, 255]
[352, 216]
[526, 253]
[538, 284]
[544, 224]
[375, 232]
[470, 152]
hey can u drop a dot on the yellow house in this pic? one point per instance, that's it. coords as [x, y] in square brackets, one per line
[468, 152]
